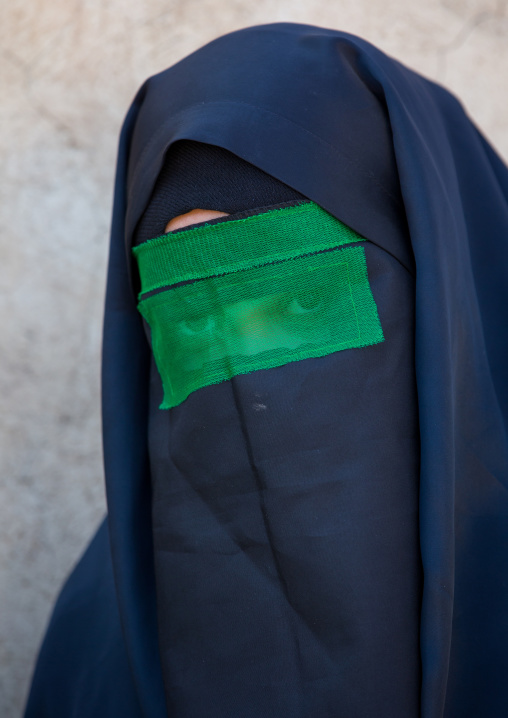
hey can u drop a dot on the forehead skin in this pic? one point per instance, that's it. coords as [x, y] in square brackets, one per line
[193, 217]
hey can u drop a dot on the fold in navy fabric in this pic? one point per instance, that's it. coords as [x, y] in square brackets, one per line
[328, 538]
[83, 667]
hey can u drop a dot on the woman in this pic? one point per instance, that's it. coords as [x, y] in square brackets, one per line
[307, 516]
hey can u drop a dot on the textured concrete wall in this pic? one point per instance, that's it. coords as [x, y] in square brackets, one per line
[68, 70]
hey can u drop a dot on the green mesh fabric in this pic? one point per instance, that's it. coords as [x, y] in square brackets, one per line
[271, 236]
[208, 331]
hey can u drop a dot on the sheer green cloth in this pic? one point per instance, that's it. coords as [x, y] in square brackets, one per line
[267, 290]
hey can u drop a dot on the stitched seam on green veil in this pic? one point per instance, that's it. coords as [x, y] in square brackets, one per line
[231, 246]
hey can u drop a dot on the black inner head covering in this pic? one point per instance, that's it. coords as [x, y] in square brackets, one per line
[200, 176]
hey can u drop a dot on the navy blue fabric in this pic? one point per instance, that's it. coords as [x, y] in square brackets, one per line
[394, 156]
[83, 668]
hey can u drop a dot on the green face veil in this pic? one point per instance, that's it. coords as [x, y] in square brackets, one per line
[249, 294]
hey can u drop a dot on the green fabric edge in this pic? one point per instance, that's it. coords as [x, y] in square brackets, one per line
[360, 290]
[234, 245]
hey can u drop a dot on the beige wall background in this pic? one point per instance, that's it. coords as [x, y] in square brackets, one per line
[68, 71]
